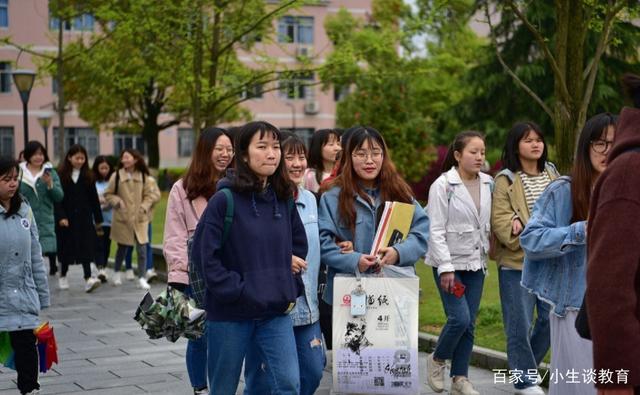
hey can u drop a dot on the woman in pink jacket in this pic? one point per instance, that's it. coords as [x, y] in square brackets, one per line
[187, 200]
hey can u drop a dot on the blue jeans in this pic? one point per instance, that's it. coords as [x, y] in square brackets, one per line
[526, 346]
[149, 263]
[311, 360]
[196, 358]
[456, 339]
[228, 342]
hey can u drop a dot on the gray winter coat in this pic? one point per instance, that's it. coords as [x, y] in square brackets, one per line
[23, 281]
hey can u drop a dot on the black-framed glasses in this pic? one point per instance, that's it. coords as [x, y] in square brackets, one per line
[601, 146]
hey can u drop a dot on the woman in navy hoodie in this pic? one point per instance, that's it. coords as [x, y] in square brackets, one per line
[250, 287]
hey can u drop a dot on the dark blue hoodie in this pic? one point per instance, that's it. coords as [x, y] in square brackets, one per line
[250, 276]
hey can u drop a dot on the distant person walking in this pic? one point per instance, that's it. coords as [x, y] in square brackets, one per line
[102, 171]
[40, 185]
[23, 279]
[131, 194]
[78, 216]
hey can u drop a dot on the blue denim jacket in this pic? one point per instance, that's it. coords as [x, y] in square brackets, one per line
[306, 311]
[555, 250]
[331, 227]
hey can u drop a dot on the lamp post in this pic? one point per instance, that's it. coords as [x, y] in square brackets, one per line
[293, 114]
[45, 121]
[23, 79]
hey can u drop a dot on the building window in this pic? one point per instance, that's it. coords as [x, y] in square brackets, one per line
[295, 86]
[253, 91]
[5, 77]
[122, 141]
[6, 141]
[80, 23]
[4, 13]
[304, 134]
[185, 142]
[295, 29]
[86, 137]
[54, 86]
[340, 92]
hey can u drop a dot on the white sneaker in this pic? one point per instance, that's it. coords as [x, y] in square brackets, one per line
[34, 392]
[462, 386]
[63, 283]
[92, 283]
[533, 390]
[129, 275]
[435, 373]
[102, 275]
[150, 275]
[116, 279]
[142, 283]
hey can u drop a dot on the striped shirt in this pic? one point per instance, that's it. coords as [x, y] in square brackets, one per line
[534, 186]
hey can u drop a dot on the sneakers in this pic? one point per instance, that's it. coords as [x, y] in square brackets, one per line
[200, 391]
[34, 392]
[150, 275]
[91, 284]
[63, 283]
[129, 275]
[102, 275]
[533, 390]
[116, 279]
[435, 373]
[462, 386]
[142, 283]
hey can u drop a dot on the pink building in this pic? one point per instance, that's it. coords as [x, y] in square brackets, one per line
[27, 22]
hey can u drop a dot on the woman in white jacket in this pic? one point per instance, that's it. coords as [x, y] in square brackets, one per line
[460, 211]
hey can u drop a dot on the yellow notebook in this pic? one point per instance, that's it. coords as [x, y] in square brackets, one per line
[394, 225]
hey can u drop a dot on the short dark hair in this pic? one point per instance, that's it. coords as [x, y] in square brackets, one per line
[293, 144]
[510, 154]
[7, 164]
[32, 147]
[459, 142]
[245, 179]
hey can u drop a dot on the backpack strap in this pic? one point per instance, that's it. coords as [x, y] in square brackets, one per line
[228, 216]
[117, 181]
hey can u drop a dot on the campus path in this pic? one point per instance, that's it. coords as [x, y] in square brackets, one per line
[102, 350]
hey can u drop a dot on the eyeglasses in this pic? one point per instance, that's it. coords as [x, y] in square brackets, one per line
[601, 146]
[219, 150]
[362, 155]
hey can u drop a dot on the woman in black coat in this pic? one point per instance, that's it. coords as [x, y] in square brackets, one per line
[78, 217]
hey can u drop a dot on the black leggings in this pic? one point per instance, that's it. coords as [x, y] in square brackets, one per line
[26, 358]
[103, 248]
[53, 268]
[86, 268]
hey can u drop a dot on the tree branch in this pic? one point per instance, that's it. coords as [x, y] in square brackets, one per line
[513, 75]
[544, 47]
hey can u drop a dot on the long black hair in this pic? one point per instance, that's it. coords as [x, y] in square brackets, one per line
[318, 140]
[65, 169]
[510, 152]
[459, 142]
[245, 179]
[100, 159]
[8, 164]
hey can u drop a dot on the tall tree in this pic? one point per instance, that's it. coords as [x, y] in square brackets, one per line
[569, 40]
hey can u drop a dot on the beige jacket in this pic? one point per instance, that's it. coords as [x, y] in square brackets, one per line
[132, 206]
[508, 202]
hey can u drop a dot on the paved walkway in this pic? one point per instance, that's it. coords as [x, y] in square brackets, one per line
[102, 350]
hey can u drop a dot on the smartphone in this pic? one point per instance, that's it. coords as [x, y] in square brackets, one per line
[47, 170]
[458, 289]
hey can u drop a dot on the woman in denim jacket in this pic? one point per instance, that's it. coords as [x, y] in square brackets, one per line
[305, 316]
[460, 212]
[554, 242]
[348, 211]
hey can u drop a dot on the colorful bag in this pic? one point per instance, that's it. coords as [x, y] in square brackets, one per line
[47, 347]
[7, 356]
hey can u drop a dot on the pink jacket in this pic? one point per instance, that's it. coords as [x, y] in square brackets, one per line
[180, 223]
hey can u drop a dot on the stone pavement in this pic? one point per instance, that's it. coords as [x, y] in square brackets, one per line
[102, 350]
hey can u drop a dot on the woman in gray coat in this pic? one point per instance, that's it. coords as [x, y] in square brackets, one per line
[23, 281]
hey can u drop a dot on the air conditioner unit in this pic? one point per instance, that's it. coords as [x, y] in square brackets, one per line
[304, 52]
[311, 107]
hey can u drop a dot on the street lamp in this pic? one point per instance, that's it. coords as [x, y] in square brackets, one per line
[45, 121]
[293, 114]
[23, 79]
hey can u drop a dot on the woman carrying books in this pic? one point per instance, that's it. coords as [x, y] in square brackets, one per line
[349, 211]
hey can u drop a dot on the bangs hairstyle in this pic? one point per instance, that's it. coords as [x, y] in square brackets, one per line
[392, 185]
[100, 159]
[583, 175]
[459, 142]
[318, 140]
[293, 145]
[201, 177]
[245, 179]
[140, 164]
[510, 152]
[65, 169]
[9, 166]
[31, 149]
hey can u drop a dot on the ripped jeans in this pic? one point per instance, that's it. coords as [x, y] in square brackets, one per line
[311, 360]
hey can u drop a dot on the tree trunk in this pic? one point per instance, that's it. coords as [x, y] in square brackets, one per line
[150, 133]
[61, 104]
[214, 58]
[197, 71]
